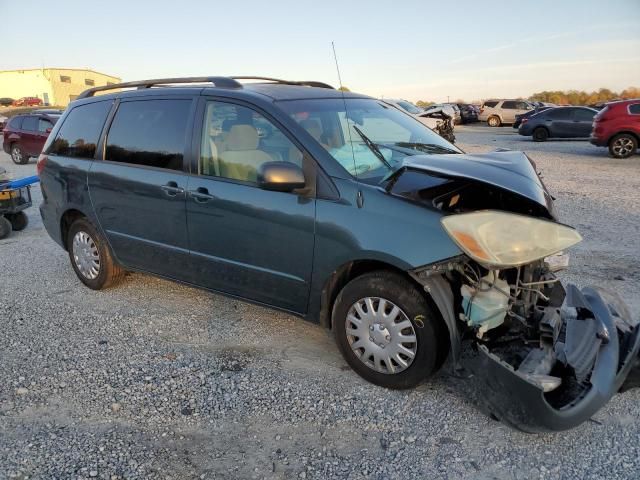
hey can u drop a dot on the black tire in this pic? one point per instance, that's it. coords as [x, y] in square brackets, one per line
[540, 134]
[5, 227]
[109, 272]
[623, 145]
[19, 221]
[494, 121]
[17, 155]
[425, 323]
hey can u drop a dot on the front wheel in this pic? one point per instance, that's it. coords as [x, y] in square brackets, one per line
[623, 146]
[386, 330]
[90, 256]
[18, 156]
[19, 221]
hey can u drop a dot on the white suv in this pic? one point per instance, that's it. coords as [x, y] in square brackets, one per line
[499, 112]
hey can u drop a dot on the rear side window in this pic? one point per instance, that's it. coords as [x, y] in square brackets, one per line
[583, 115]
[634, 109]
[30, 124]
[558, 114]
[16, 122]
[80, 131]
[44, 125]
[149, 133]
[490, 104]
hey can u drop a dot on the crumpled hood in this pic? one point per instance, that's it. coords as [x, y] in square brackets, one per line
[509, 170]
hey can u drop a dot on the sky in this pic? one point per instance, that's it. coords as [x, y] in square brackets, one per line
[417, 50]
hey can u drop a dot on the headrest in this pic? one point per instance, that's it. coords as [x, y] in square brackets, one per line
[313, 126]
[242, 137]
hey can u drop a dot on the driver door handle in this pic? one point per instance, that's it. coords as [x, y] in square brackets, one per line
[172, 189]
[201, 195]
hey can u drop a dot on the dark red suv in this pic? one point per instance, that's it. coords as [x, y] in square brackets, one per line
[617, 126]
[24, 135]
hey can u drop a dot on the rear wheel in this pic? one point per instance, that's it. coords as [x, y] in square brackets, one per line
[5, 227]
[386, 330]
[19, 221]
[494, 121]
[18, 156]
[623, 145]
[90, 256]
[540, 134]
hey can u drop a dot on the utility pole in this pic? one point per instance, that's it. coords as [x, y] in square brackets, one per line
[447, 98]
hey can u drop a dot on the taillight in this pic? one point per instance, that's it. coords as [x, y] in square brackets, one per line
[42, 161]
[523, 121]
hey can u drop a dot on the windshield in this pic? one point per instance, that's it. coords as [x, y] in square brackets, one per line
[370, 139]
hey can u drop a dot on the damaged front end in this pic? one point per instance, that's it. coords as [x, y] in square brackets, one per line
[542, 357]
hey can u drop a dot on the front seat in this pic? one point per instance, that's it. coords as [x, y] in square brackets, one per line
[241, 159]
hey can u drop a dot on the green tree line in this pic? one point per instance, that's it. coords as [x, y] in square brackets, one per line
[579, 97]
[568, 97]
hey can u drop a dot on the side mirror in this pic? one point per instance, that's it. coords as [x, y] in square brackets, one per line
[280, 176]
[48, 130]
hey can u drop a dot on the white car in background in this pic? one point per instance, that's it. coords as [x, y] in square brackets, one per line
[440, 119]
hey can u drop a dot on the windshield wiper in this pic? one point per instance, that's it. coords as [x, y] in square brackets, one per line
[373, 147]
[426, 147]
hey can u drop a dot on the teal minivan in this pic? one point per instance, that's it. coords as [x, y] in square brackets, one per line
[343, 210]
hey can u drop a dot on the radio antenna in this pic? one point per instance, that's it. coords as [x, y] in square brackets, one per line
[335, 57]
[346, 112]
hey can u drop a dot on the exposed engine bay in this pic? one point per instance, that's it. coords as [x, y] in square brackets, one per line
[544, 358]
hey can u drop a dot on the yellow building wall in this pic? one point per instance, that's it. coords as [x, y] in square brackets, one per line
[48, 85]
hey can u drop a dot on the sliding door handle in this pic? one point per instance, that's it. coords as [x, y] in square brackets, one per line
[201, 195]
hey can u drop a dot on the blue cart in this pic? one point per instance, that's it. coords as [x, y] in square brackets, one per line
[15, 197]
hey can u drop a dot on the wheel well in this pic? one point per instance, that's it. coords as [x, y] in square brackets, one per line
[66, 221]
[541, 127]
[633, 134]
[344, 275]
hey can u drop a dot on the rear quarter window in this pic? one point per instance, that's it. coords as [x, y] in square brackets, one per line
[490, 104]
[634, 109]
[79, 134]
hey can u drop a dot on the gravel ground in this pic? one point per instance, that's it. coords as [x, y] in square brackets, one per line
[156, 380]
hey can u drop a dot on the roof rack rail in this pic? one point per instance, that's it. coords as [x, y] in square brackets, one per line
[222, 82]
[305, 83]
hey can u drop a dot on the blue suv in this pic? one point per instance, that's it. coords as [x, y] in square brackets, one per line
[345, 211]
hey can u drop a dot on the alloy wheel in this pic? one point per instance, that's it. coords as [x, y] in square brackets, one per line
[623, 146]
[381, 335]
[86, 255]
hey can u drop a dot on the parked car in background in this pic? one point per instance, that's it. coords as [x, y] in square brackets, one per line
[27, 102]
[528, 114]
[350, 214]
[6, 101]
[25, 135]
[558, 122]
[3, 122]
[617, 126]
[468, 113]
[500, 112]
[49, 111]
[433, 118]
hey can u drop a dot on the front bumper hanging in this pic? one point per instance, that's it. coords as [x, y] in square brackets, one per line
[605, 340]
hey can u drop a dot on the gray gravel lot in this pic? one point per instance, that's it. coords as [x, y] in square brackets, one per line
[156, 380]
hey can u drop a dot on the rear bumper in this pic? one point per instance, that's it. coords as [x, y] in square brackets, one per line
[597, 141]
[522, 404]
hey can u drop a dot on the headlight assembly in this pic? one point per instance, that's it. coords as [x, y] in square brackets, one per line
[502, 240]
